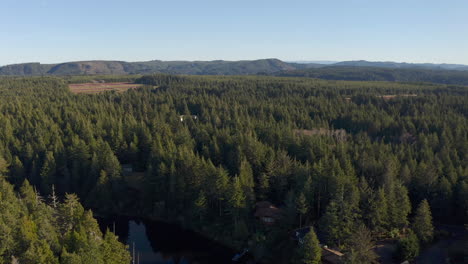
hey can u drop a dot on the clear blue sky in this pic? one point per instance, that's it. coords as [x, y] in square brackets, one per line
[50, 31]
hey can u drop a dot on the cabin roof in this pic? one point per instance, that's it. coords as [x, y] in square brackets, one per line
[331, 256]
[267, 209]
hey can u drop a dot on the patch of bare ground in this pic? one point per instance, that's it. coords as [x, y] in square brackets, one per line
[391, 96]
[91, 88]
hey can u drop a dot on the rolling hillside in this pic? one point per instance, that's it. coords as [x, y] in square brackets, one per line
[266, 66]
[348, 70]
[362, 73]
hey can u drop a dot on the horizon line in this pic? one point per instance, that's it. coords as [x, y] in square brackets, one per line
[305, 61]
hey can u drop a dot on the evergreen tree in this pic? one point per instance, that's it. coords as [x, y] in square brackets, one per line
[301, 207]
[330, 224]
[361, 247]
[378, 216]
[399, 207]
[48, 173]
[247, 180]
[422, 223]
[221, 187]
[309, 252]
[200, 205]
[408, 247]
[237, 200]
[114, 252]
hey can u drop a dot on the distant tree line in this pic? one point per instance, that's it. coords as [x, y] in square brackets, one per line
[350, 73]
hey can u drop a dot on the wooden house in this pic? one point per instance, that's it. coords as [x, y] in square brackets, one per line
[267, 212]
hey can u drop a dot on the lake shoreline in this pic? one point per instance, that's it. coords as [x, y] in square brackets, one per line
[167, 239]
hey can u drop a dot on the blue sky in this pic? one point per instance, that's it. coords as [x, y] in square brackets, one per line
[50, 31]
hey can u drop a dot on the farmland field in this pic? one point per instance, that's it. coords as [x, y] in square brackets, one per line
[90, 88]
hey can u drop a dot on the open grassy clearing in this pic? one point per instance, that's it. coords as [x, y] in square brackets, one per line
[90, 88]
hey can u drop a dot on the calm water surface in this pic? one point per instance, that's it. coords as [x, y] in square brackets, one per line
[162, 243]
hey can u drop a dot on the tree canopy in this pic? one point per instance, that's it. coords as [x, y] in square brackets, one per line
[202, 151]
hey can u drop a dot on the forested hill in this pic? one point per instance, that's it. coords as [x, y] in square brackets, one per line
[363, 73]
[177, 67]
[349, 70]
[402, 65]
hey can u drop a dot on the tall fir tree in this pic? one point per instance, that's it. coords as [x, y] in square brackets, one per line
[422, 223]
[309, 252]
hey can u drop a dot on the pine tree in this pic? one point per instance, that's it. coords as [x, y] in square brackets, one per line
[422, 222]
[361, 247]
[221, 187]
[48, 173]
[70, 213]
[39, 252]
[330, 224]
[114, 252]
[309, 252]
[200, 205]
[237, 200]
[301, 207]
[442, 199]
[408, 247]
[399, 207]
[247, 180]
[378, 216]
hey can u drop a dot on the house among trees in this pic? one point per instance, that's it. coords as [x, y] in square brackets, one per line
[330, 256]
[127, 169]
[267, 212]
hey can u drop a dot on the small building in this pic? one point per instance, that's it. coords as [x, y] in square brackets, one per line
[330, 256]
[267, 212]
[127, 169]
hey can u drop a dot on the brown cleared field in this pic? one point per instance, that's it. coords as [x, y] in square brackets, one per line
[91, 88]
[391, 96]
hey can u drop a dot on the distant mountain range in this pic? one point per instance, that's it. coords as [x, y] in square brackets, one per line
[362, 73]
[403, 65]
[218, 67]
[346, 70]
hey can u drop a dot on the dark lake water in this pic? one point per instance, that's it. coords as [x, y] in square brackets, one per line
[162, 243]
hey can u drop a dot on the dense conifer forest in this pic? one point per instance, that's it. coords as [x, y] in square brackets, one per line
[367, 160]
[370, 73]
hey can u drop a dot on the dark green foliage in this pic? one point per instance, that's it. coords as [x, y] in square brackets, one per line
[201, 205]
[352, 73]
[361, 247]
[301, 207]
[309, 252]
[337, 154]
[32, 231]
[422, 223]
[408, 247]
[378, 216]
[120, 67]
